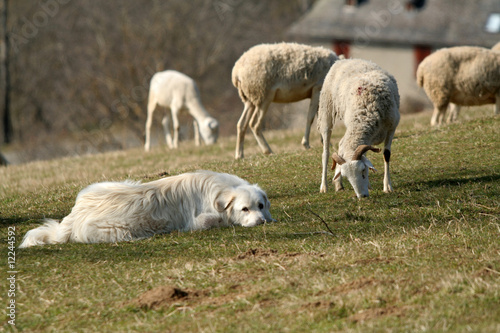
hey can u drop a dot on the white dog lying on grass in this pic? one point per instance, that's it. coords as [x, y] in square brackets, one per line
[123, 211]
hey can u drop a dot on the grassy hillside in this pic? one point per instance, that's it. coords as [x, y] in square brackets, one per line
[425, 258]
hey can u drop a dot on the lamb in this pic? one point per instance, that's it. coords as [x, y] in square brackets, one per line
[366, 98]
[176, 91]
[279, 73]
[462, 76]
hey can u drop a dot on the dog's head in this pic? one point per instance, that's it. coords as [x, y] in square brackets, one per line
[245, 205]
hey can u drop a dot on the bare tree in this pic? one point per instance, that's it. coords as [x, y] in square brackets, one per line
[81, 69]
[5, 121]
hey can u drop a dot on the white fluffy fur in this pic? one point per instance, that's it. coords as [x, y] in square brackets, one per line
[366, 98]
[176, 92]
[278, 73]
[122, 211]
[460, 76]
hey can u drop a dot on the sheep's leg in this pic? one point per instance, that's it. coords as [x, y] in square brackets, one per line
[256, 125]
[176, 126]
[196, 128]
[442, 114]
[166, 129]
[313, 109]
[326, 135]
[438, 115]
[454, 111]
[149, 123]
[387, 158]
[241, 128]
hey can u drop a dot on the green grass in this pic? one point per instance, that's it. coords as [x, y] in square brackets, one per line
[424, 258]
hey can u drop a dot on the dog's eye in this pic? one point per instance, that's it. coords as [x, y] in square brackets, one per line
[261, 206]
[245, 209]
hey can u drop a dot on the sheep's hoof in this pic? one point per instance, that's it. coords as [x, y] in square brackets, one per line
[305, 143]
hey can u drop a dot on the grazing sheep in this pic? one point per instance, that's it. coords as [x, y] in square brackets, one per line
[366, 98]
[176, 92]
[279, 73]
[463, 76]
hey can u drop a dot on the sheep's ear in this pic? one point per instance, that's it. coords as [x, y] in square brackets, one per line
[213, 124]
[368, 164]
[224, 201]
[337, 175]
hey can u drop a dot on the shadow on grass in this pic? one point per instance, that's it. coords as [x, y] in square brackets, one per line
[454, 181]
[12, 221]
[21, 221]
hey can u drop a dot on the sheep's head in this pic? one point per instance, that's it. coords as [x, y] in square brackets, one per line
[356, 170]
[209, 130]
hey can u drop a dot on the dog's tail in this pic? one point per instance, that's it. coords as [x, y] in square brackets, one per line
[51, 232]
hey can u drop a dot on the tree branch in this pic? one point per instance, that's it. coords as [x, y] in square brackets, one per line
[321, 219]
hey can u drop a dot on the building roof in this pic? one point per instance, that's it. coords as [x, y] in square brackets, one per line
[438, 23]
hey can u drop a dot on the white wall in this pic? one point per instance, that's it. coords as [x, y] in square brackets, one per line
[400, 62]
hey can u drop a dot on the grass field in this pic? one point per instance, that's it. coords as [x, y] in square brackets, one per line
[424, 258]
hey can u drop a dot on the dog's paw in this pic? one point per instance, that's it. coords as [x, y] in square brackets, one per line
[207, 221]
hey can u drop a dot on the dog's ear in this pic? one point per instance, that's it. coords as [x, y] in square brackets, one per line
[224, 201]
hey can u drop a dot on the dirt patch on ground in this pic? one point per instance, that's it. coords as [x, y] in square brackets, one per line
[169, 296]
[318, 305]
[259, 253]
[375, 313]
[255, 253]
[162, 296]
[376, 260]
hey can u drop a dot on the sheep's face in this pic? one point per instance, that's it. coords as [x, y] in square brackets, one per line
[209, 131]
[356, 172]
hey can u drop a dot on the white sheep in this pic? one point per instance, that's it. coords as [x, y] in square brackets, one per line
[366, 99]
[279, 73]
[177, 92]
[460, 76]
